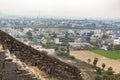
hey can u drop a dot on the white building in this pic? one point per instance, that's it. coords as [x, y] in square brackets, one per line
[57, 41]
[104, 47]
[116, 41]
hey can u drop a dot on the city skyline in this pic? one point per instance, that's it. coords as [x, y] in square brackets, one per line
[62, 8]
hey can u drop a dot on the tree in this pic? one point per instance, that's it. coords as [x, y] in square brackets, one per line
[62, 53]
[98, 77]
[98, 70]
[110, 47]
[29, 33]
[103, 66]
[89, 60]
[109, 74]
[117, 47]
[43, 45]
[95, 61]
[68, 51]
[104, 36]
[54, 35]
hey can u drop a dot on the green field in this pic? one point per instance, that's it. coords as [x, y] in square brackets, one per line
[109, 54]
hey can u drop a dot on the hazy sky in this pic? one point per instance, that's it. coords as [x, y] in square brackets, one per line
[63, 8]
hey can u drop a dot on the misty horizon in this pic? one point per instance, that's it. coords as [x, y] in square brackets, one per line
[62, 9]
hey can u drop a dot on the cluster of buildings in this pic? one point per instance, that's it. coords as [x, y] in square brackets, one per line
[58, 36]
[59, 23]
[77, 33]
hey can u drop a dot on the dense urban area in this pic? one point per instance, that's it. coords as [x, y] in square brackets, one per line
[92, 45]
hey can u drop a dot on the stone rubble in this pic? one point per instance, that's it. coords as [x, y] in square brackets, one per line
[13, 69]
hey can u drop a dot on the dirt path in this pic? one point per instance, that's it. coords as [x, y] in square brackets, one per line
[84, 55]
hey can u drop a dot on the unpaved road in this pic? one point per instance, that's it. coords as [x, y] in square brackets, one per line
[85, 55]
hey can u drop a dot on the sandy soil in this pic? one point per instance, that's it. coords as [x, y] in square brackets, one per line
[85, 55]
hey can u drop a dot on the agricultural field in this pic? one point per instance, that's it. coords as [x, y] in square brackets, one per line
[109, 54]
[85, 55]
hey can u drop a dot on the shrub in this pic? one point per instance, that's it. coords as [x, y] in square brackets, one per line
[98, 70]
[71, 57]
[98, 77]
[62, 53]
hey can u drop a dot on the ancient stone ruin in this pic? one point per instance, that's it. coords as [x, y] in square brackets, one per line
[13, 69]
[50, 65]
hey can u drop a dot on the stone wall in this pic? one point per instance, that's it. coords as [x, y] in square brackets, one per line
[13, 69]
[50, 65]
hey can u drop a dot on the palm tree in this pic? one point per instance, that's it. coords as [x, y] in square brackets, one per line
[95, 61]
[103, 65]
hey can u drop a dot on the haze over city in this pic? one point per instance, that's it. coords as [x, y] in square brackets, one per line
[62, 8]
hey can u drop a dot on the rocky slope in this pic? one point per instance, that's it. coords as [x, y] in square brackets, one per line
[13, 69]
[50, 65]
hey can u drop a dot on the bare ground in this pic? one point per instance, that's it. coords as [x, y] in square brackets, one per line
[85, 55]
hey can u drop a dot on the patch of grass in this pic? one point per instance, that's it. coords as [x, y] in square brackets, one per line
[110, 54]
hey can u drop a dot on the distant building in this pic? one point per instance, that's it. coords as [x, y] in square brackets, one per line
[104, 47]
[27, 29]
[116, 41]
[57, 41]
[39, 38]
[84, 38]
[117, 34]
[16, 33]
